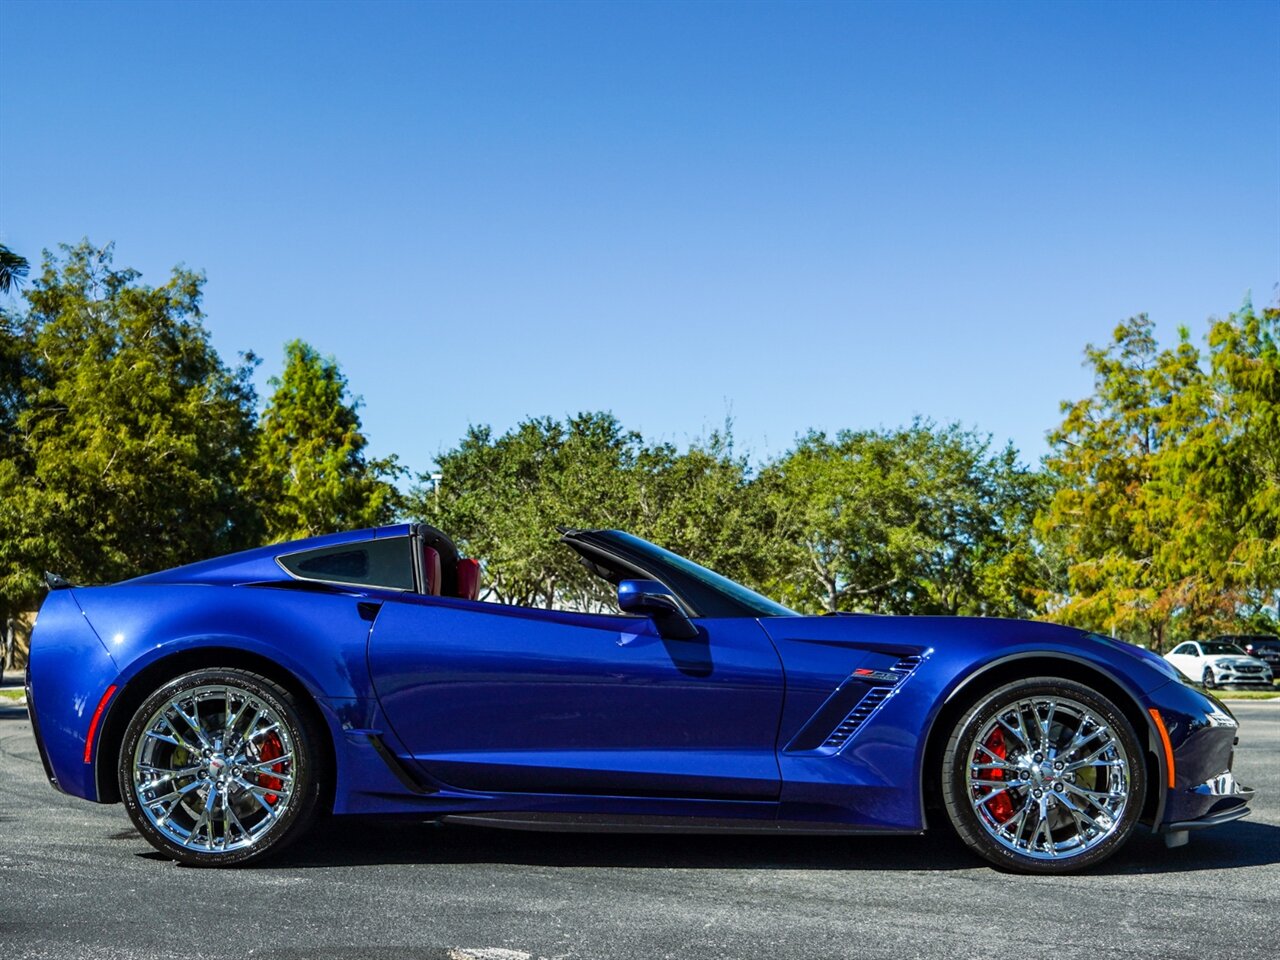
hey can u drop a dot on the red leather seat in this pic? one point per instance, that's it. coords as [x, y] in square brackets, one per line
[469, 579]
[431, 571]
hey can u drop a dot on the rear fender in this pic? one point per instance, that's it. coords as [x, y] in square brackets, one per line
[134, 637]
[69, 671]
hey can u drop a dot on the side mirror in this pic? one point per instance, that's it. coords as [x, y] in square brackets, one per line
[652, 599]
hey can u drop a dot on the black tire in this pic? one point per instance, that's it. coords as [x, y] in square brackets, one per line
[1208, 679]
[961, 802]
[307, 768]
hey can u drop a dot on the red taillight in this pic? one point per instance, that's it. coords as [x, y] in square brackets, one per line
[93, 724]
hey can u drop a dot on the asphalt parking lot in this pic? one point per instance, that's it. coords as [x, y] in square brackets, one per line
[76, 881]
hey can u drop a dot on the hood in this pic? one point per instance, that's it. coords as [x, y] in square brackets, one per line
[1235, 660]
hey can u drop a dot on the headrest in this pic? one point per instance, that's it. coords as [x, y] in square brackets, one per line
[469, 579]
[431, 571]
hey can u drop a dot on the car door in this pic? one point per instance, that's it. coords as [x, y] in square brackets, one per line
[497, 698]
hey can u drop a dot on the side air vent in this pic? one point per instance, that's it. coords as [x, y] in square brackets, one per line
[907, 665]
[871, 702]
[849, 726]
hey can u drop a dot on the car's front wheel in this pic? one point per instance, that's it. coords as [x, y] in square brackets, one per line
[1044, 775]
[220, 767]
[1208, 679]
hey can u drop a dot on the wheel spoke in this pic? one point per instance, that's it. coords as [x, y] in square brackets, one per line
[258, 789]
[1097, 804]
[158, 776]
[165, 738]
[991, 752]
[204, 820]
[253, 722]
[264, 766]
[177, 792]
[1079, 814]
[1022, 819]
[230, 812]
[979, 801]
[229, 725]
[193, 723]
[1081, 736]
[1092, 794]
[1089, 760]
[258, 734]
[175, 799]
[1017, 731]
[179, 738]
[1042, 827]
[1046, 725]
[259, 793]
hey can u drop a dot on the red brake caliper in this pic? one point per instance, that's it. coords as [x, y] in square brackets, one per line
[272, 748]
[1001, 807]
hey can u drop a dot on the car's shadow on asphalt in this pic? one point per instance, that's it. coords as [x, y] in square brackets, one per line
[359, 842]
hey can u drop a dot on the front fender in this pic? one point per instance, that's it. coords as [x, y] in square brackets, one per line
[885, 767]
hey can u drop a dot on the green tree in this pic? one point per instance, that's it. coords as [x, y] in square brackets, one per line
[700, 503]
[13, 268]
[1230, 470]
[124, 432]
[1167, 508]
[15, 363]
[1111, 511]
[916, 520]
[841, 514]
[974, 510]
[502, 498]
[13, 357]
[310, 473]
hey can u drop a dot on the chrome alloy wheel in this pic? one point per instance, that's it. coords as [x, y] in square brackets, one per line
[1048, 778]
[213, 768]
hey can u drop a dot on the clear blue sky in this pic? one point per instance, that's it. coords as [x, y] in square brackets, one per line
[805, 214]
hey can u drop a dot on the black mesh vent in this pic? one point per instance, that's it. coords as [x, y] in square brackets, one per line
[871, 702]
[907, 665]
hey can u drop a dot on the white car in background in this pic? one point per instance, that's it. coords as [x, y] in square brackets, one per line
[1216, 663]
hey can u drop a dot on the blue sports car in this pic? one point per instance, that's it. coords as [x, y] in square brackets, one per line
[228, 703]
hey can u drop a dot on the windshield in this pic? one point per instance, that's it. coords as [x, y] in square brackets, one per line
[1215, 647]
[758, 605]
[1257, 643]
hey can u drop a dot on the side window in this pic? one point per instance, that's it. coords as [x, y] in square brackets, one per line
[370, 563]
[1182, 649]
[1193, 650]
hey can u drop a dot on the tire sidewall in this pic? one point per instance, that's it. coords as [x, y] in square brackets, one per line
[960, 746]
[302, 799]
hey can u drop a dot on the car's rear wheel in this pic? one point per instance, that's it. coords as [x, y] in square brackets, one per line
[220, 767]
[1044, 775]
